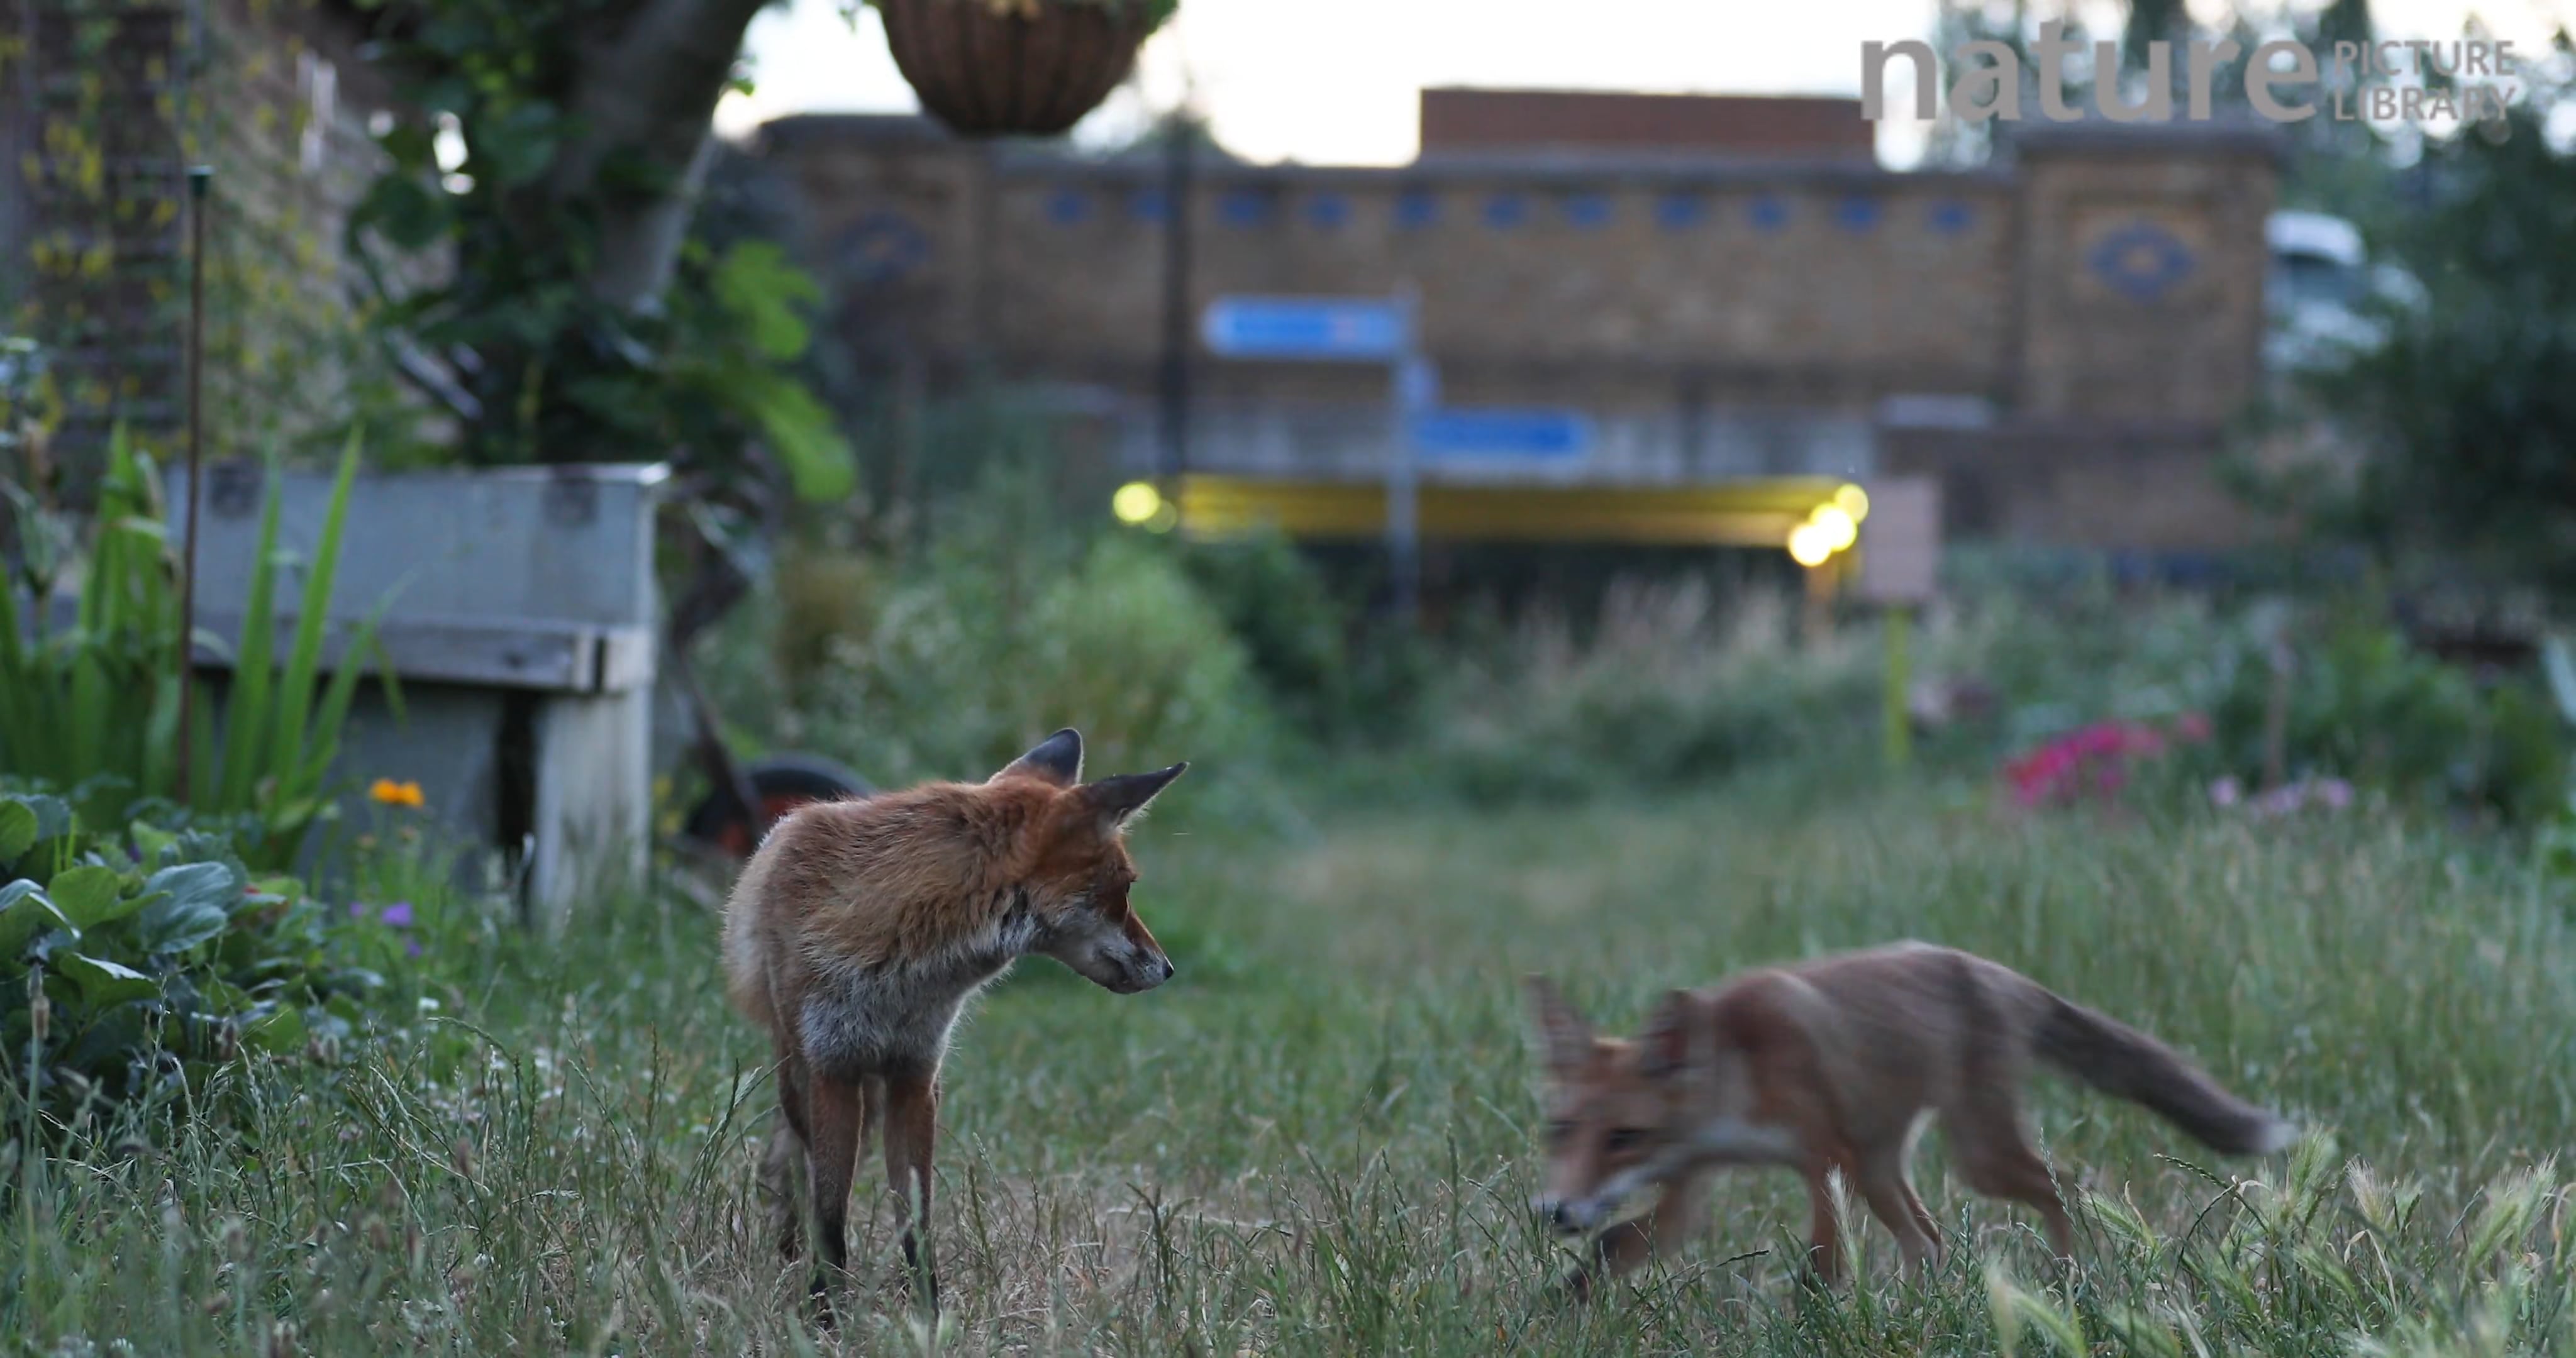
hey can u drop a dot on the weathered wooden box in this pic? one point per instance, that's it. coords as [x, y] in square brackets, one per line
[517, 610]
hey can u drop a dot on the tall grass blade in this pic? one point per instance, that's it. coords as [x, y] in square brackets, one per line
[246, 715]
[288, 736]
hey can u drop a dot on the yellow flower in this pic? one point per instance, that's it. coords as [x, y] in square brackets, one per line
[391, 793]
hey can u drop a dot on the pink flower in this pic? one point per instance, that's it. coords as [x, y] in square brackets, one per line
[2059, 768]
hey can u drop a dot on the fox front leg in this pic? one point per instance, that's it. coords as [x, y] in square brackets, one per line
[912, 1123]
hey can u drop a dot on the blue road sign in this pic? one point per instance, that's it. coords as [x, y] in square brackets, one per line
[1502, 432]
[1336, 329]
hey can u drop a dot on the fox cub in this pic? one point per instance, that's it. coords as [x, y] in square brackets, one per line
[1835, 1065]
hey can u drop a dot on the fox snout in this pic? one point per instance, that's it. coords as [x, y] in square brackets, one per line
[1566, 1216]
[1124, 966]
[1143, 972]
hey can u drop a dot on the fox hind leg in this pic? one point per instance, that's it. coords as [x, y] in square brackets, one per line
[1930, 1224]
[782, 1168]
[1994, 1155]
[836, 1121]
[1824, 1227]
[783, 1164]
[1883, 1187]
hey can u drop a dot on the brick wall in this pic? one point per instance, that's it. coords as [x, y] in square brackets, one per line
[2143, 277]
[1716, 317]
[1726, 316]
[104, 108]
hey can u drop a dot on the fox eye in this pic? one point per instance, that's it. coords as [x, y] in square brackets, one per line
[1559, 1130]
[1624, 1138]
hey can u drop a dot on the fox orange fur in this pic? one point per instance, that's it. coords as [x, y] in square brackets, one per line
[1833, 1066]
[860, 928]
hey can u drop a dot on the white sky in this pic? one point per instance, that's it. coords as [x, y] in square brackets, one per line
[1334, 81]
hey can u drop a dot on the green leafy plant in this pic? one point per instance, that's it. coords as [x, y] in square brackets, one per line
[94, 707]
[2464, 416]
[934, 666]
[589, 323]
[2358, 701]
[129, 964]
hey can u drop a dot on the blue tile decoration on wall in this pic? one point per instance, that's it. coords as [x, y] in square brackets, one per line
[1149, 205]
[1587, 211]
[1245, 207]
[2141, 260]
[1504, 211]
[881, 246]
[1950, 216]
[1416, 209]
[1067, 206]
[1328, 210]
[1769, 213]
[1856, 213]
[1680, 211]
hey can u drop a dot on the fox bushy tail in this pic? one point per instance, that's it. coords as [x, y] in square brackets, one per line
[2117, 1059]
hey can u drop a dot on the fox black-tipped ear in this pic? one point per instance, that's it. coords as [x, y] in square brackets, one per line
[1665, 1046]
[1563, 1040]
[1056, 759]
[1120, 797]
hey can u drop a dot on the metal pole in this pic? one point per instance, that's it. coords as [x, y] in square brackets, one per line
[200, 178]
[1900, 734]
[1177, 157]
[1411, 394]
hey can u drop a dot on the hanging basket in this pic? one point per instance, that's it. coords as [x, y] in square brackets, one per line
[1030, 68]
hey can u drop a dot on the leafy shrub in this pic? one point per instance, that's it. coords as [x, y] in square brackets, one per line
[131, 964]
[949, 666]
[1320, 662]
[2360, 702]
[2355, 699]
[1669, 692]
[95, 707]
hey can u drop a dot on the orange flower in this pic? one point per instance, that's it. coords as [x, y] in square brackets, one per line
[391, 793]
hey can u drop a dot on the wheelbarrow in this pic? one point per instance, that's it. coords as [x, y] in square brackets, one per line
[745, 798]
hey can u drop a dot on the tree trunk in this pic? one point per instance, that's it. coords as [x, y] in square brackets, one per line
[644, 87]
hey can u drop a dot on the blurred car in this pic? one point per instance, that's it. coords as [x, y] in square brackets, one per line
[2320, 291]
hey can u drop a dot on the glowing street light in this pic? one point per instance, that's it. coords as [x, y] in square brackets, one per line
[1836, 524]
[1854, 501]
[1809, 545]
[1137, 503]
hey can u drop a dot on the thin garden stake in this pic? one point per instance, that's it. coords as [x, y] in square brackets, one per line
[200, 177]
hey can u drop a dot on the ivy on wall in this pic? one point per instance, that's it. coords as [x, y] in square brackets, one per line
[485, 258]
[123, 98]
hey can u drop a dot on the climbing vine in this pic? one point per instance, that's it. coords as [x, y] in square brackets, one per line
[125, 98]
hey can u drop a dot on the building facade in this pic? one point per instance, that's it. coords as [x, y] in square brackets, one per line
[2062, 336]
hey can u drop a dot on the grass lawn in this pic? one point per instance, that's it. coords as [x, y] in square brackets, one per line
[1319, 1138]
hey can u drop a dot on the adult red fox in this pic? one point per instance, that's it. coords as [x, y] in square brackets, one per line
[1835, 1065]
[858, 930]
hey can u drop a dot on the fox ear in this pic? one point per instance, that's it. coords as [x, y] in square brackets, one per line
[1563, 1040]
[1056, 759]
[1666, 1046]
[1118, 799]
